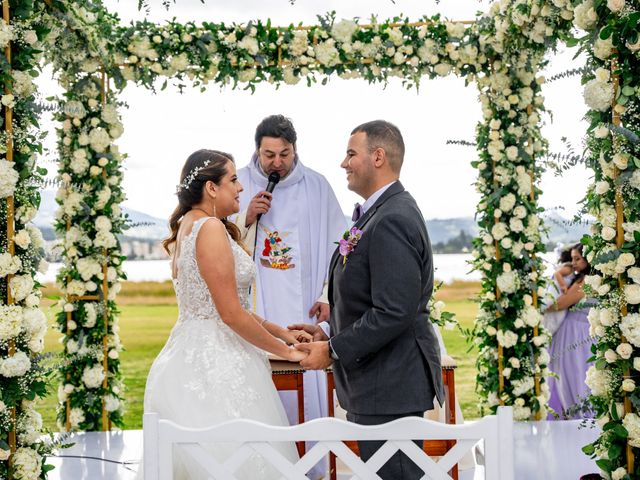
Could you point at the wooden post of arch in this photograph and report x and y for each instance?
(534, 290)
(8, 125)
(106, 423)
(615, 119)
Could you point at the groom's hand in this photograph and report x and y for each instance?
(318, 355)
(321, 311)
(315, 330)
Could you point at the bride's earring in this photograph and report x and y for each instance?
(214, 207)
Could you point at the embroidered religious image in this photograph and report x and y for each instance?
(276, 253)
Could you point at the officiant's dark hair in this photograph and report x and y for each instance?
(276, 126)
(201, 166)
(385, 135)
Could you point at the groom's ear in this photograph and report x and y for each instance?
(379, 157)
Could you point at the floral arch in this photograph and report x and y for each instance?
(501, 51)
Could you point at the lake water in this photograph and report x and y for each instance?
(448, 267)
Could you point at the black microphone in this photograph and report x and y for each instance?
(274, 178)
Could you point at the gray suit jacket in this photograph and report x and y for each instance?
(389, 357)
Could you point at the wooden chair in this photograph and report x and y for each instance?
(160, 437)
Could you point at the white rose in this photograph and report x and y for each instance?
(602, 187)
(621, 160)
(615, 6)
(620, 472)
(602, 131)
(610, 356)
(628, 385)
(624, 350)
(632, 293)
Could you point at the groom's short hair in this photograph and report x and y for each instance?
(276, 126)
(385, 135)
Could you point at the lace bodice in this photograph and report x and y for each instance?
(194, 299)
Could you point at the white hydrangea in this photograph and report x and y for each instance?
(507, 202)
(27, 464)
(87, 267)
(508, 282)
(34, 321)
(11, 318)
(76, 417)
(631, 422)
(507, 338)
(9, 264)
(21, 286)
(22, 83)
(35, 236)
(327, 54)
(93, 376)
(597, 381)
(99, 139)
(29, 426)
(630, 328)
(523, 386)
(603, 49)
(6, 33)
(76, 288)
(79, 163)
(521, 412)
(343, 31)
(15, 366)
(598, 95)
(90, 315)
(180, 62)
(75, 109)
(499, 231)
(299, 43)
(105, 240)
(585, 16)
(8, 178)
(111, 403)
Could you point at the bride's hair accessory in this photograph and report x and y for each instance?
(186, 183)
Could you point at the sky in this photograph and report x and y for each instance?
(162, 129)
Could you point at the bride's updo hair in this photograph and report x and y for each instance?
(201, 166)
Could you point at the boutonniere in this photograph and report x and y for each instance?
(348, 242)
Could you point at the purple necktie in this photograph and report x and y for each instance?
(357, 212)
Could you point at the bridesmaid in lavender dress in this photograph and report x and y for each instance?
(571, 346)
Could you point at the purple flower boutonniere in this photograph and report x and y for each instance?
(348, 242)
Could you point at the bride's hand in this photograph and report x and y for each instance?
(301, 336)
(294, 355)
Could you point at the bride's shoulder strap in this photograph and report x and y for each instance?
(197, 225)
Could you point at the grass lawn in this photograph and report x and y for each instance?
(149, 312)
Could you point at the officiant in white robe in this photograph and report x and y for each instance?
(295, 240)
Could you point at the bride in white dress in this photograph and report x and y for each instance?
(213, 367)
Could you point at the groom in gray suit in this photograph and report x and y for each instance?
(384, 351)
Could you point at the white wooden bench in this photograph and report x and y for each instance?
(160, 436)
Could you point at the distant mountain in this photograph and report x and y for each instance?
(561, 230)
(148, 228)
(143, 226)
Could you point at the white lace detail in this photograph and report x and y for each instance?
(218, 356)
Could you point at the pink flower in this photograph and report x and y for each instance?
(348, 242)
